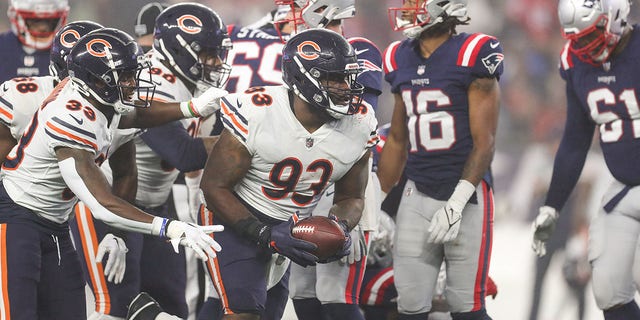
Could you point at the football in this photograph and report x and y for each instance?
(324, 232)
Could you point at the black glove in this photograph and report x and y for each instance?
(346, 248)
(280, 240)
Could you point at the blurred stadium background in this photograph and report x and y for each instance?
(532, 117)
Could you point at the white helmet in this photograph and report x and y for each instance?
(416, 16)
(308, 14)
(579, 18)
(20, 11)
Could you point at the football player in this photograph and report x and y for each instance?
(25, 96)
(256, 58)
(332, 290)
(25, 48)
(442, 135)
(189, 54)
(597, 64)
(56, 163)
(256, 187)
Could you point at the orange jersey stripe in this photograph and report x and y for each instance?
(90, 247)
(233, 118)
(6, 114)
(72, 136)
(5, 310)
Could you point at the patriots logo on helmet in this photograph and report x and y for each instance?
(492, 61)
(366, 65)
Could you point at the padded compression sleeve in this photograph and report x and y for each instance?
(572, 152)
(77, 185)
(174, 144)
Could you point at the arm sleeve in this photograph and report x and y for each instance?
(572, 153)
(174, 144)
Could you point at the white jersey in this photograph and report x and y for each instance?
(31, 174)
(22, 98)
(155, 176)
(290, 167)
(19, 100)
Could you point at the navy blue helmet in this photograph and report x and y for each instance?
(63, 41)
(321, 67)
(107, 64)
(195, 42)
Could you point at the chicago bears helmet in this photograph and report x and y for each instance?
(194, 41)
(321, 68)
(593, 27)
(106, 64)
(63, 41)
(416, 16)
(23, 12)
(307, 14)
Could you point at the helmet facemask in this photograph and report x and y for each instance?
(307, 14)
(209, 68)
(416, 16)
(123, 89)
(594, 30)
(29, 16)
(338, 92)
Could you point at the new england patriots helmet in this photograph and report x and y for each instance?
(307, 14)
(593, 27)
(321, 68)
(194, 41)
(53, 12)
(63, 41)
(106, 64)
(416, 16)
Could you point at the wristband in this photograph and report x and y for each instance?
(461, 195)
(188, 110)
(253, 230)
(159, 227)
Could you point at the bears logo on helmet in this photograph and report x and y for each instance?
(193, 29)
(63, 42)
(98, 51)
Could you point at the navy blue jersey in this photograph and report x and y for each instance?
(16, 62)
(434, 91)
(256, 58)
(603, 98)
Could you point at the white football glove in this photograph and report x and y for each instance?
(203, 105)
(543, 227)
(195, 237)
(445, 223)
(117, 261)
(359, 247)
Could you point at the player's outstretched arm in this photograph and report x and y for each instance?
(394, 154)
(162, 112)
(88, 183)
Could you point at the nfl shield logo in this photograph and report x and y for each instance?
(29, 61)
(421, 69)
(309, 143)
